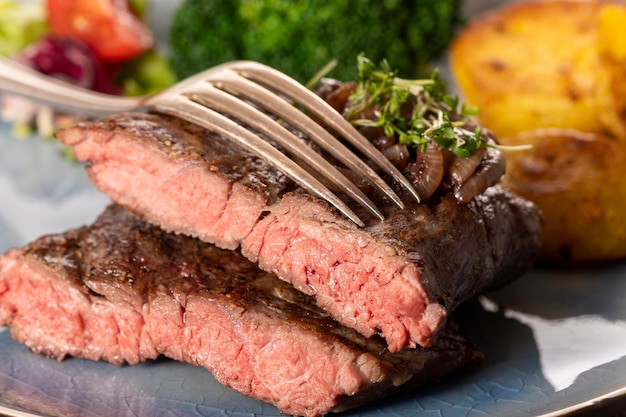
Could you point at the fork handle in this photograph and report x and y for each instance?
(22, 80)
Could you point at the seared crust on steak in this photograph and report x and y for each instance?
(122, 290)
(398, 278)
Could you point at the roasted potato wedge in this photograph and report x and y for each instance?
(552, 74)
(577, 181)
(612, 74)
(533, 64)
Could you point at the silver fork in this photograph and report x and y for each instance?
(236, 100)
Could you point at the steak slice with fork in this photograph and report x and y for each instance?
(123, 290)
(399, 278)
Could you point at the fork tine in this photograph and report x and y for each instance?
(182, 107)
(225, 103)
(239, 85)
(301, 95)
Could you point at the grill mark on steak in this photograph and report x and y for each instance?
(122, 290)
(398, 278)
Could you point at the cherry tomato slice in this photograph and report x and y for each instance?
(107, 26)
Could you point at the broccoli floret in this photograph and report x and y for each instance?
(299, 37)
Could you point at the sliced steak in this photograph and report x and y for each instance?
(399, 277)
(126, 291)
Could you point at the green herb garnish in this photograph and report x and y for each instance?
(433, 116)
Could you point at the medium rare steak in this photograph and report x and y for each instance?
(122, 290)
(398, 278)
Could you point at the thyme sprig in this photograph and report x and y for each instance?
(435, 116)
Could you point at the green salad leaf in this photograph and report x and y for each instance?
(21, 23)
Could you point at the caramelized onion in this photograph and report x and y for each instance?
(462, 169)
(431, 170)
(338, 98)
(383, 142)
(488, 173)
(426, 172)
(398, 155)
